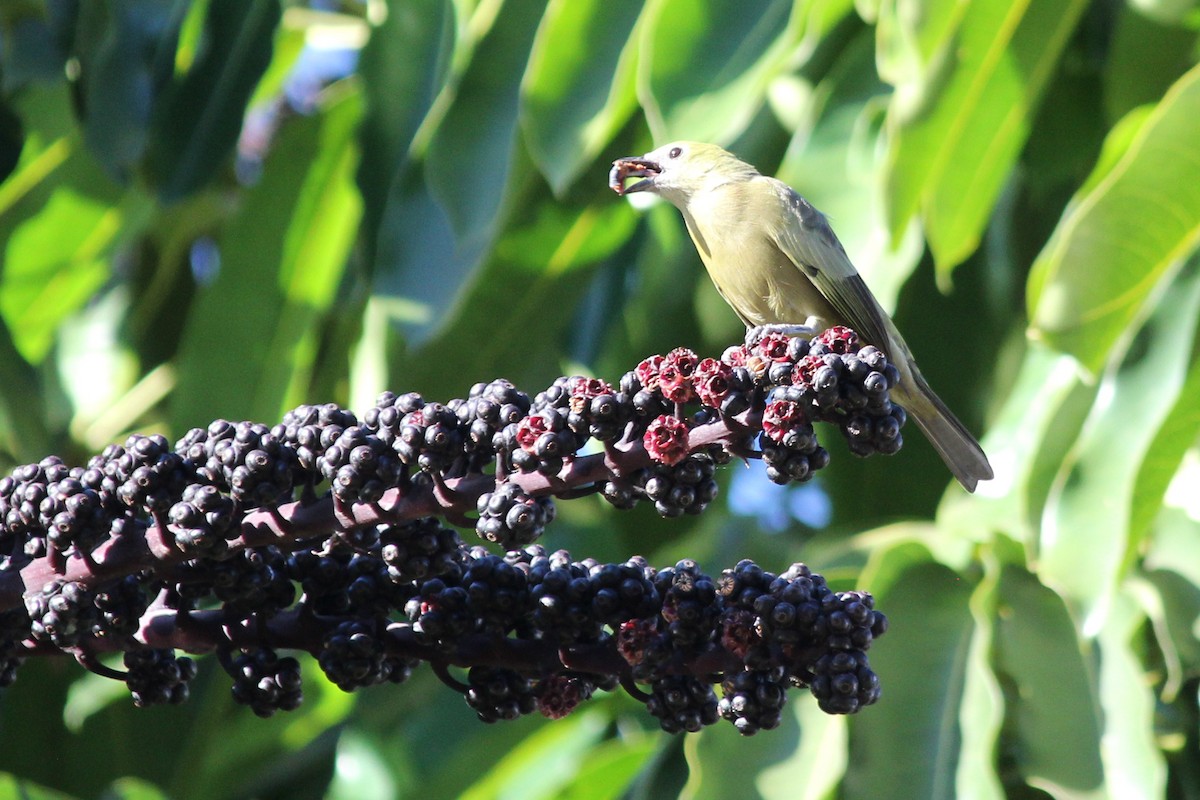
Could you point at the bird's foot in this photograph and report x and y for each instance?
(811, 327)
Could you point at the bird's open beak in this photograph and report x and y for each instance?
(630, 167)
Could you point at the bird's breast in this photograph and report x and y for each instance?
(752, 274)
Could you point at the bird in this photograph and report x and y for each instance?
(776, 261)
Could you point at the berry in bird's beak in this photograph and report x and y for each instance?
(625, 168)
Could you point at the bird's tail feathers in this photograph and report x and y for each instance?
(953, 442)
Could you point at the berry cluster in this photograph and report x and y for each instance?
(325, 534)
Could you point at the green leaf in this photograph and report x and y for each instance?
(247, 348)
(836, 167)
(53, 262)
(1117, 243)
(610, 769)
(1052, 708)
(812, 770)
(580, 86)
(1045, 406)
(471, 155)
(1164, 455)
(921, 663)
(981, 712)
(1133, 763)
(705, 65)
(514, 312)
(541, 765)
(1143, 61)
(909, 40)
(13, 787)
(197, 120)
(1086, 542)
(956, 135)
(1172, 602)
(1167, 12)
(403, 67)
(442, 217)
(124, 51)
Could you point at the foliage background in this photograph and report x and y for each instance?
(229, 207)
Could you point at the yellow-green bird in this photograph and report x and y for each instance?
(776, 261)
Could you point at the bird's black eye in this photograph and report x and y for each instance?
(675, 151)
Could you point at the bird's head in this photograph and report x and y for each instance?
(679, 170)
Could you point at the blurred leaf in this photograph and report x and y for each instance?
(1167, 12)
(921, 663)
(133, 789)
(22, 404)
(1045, 405)
(31, 48)
(814, 768)
(1052, 708)
(361, 772)
(610, 769)
(13, 787)
(981, 713)
(1118, 242)
(1145, 59)
(836, 167)
(544, 762)
(580, 86)
(956, 136)
(471, 155)
(515, 311)
(281, 260)
(123, 58)
(911, 35)
(1174, 608)
(719, 765)
(1133, 763)
(197, 121)
(402, 66)
(54, 261)
(705, 66)
(1086, 542)
(440, 219)
(1176, 433)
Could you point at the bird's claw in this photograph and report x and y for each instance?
(810, 328)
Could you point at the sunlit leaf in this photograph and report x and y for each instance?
(1134, 765)
(910, 35)
(1164, 454)
(982, 710)
(543, 763)
(53, 263)
(13, 787)
(705, 66)
(579, 89)
(280, 263)
(1116, 243)
(1085, 535)
(956, 135)
(1167, 12)
(610, 769)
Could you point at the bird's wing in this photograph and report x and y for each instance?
(814, 248)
